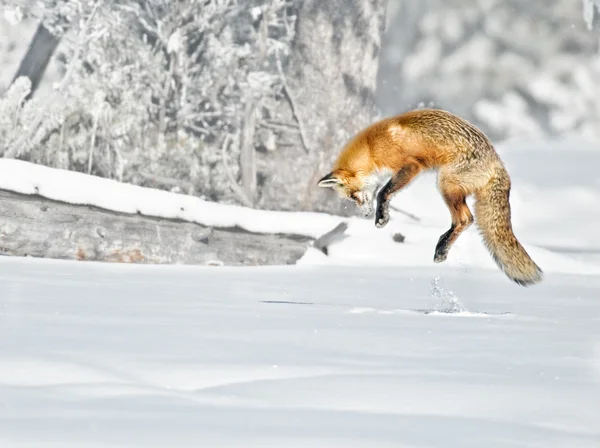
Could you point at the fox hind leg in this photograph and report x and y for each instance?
(462, 218)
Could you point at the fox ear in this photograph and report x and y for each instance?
(329, 181)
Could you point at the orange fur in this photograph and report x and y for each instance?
(466, 162)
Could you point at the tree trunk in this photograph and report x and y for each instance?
(332, 77)
(40, 51)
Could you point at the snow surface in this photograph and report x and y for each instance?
(373, 346)
(98, 355)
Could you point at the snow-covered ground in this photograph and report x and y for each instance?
(134, 356)
(373, 346)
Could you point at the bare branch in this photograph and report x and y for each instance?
(292, 101)
(232, 182)
(247, 156)
(278, 127)
(410, 215)
(93, 142)
(324, 241)
(168, 181)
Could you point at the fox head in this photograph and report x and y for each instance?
(349, 186)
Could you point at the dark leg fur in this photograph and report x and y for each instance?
(441, 249)
(395, 184)
(461, 220)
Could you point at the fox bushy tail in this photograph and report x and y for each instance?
(493, 218)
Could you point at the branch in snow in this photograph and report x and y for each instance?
(404, 212)
(324, 241)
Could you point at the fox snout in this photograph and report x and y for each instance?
(361, 198)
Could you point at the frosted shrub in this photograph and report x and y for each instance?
(157, 90)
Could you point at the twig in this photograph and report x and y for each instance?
(195, 128)
(168, 181)
(118, 163)
(93, 142)
(61, 140)
(20, 108)
(328, 238)
(247, 153)
(232, 182)
(162, 114)
(292, 101)
(278, 127)
(282, 123)
(410, 215)
(107, 146)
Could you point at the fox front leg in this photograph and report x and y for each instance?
(398, 181)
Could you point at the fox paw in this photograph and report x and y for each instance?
(439, 256)
(382, 217)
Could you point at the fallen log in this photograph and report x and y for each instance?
(32, 225)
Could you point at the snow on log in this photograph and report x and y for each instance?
(83, 189)
(54, 213)
(32, 225)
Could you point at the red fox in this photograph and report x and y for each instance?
(401, 147)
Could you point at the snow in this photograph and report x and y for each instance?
(13, 15)
(373, 345)
(174, 43)
(98, 355)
